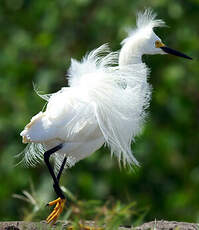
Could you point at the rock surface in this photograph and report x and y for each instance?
(153, 225)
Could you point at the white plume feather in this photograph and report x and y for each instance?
(148, 18)
(33, 154)
(103, 99)
(119, 97)
(145, 23)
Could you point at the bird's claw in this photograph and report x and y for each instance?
(60, 203)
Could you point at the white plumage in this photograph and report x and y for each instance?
(105, 102)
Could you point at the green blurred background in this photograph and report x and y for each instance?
(37, 40)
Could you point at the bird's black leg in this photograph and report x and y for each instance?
(60, 201)
(61, 169)
(47, 155)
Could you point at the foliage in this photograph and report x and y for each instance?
(37, 40)
(110, 214)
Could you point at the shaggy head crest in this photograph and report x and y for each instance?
(147, 19)
(145, 23)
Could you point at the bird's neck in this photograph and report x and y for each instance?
(130, 53)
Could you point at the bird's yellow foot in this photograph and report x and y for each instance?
(59, 206)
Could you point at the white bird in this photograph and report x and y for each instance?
(105, 103)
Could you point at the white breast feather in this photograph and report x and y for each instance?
(119, 95)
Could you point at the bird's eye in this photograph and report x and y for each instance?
(158, 44)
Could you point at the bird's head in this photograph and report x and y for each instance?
(143, 40)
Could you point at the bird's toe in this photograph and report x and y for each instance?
(59, 206)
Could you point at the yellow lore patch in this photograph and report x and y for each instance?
(159, 44)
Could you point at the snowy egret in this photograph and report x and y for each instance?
(105, 103)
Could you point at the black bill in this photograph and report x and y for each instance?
(174, 52)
